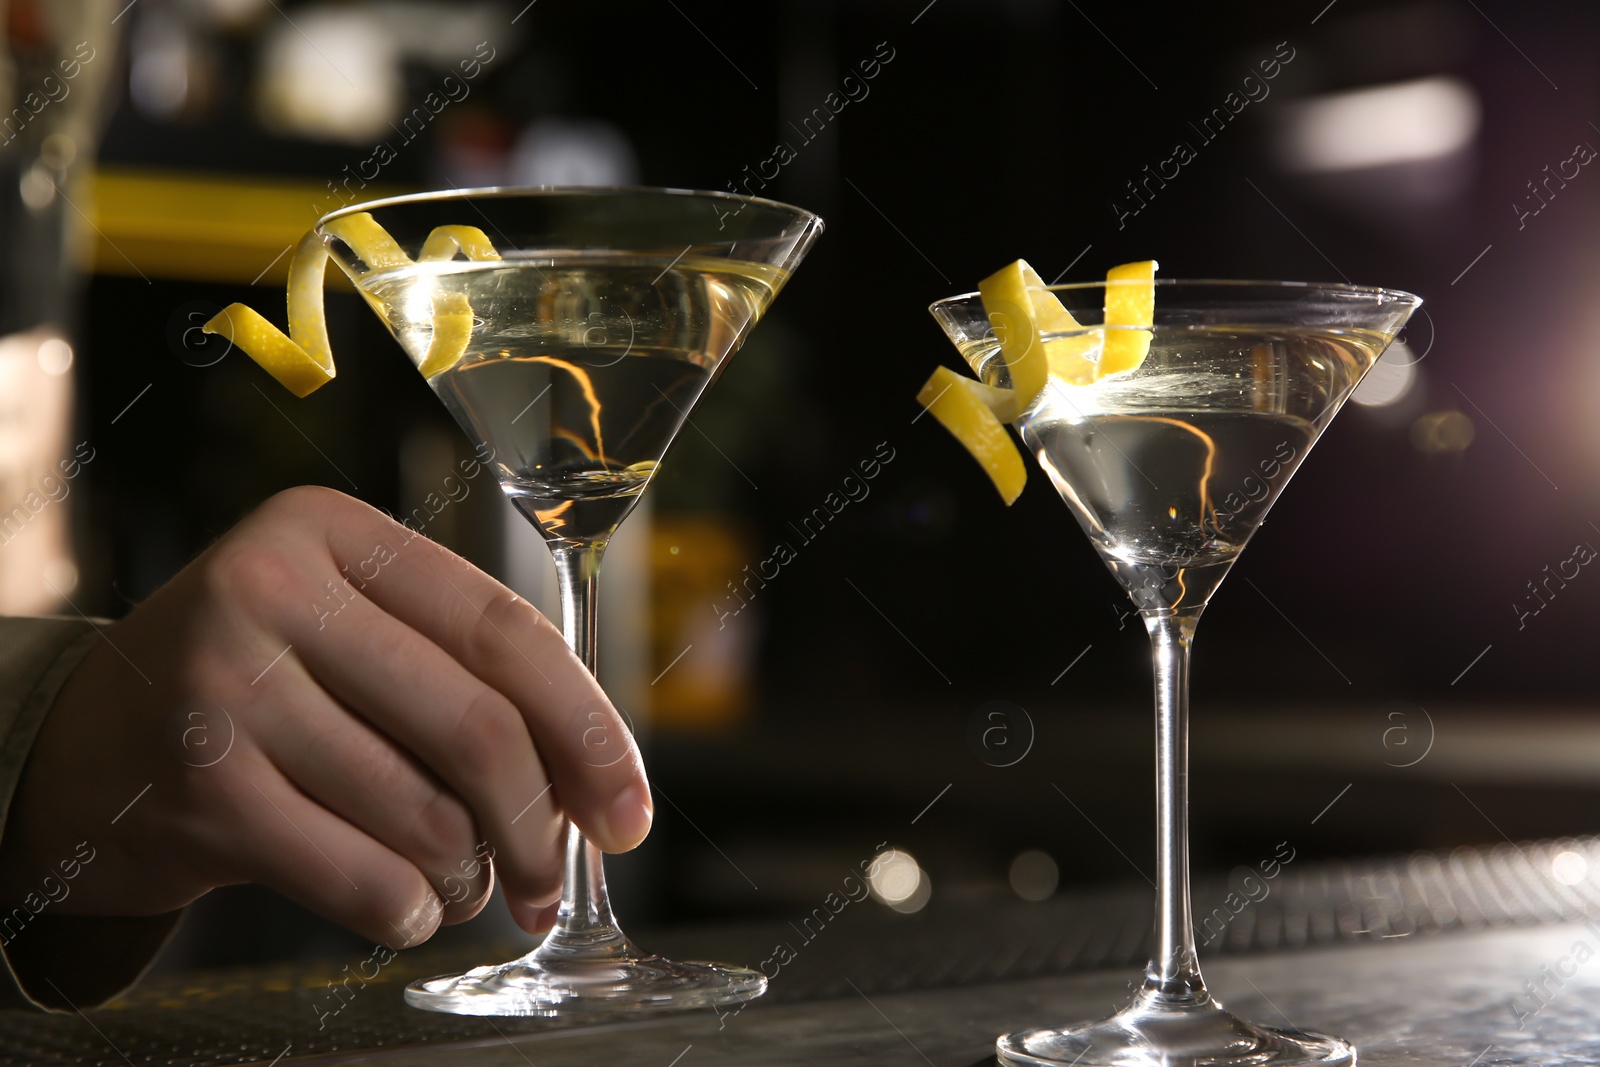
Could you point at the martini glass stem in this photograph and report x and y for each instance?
(1173, 976)
(578, 578)
(584, 924)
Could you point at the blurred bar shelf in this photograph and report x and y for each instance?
(203, 227)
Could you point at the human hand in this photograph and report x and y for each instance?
(363, 761)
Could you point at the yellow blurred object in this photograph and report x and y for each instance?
(203, 227)
(960, 408)
(704, 624)
(1441, 432)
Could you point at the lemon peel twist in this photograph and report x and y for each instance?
(1022, 313)
(452, 330)
(1130, 301)
(302, 360)
(445, 241)
(962, 406)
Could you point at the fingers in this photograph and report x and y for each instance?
(357, 773)
(533, 919)
(289, 843)
(586, 750)
(469, 735)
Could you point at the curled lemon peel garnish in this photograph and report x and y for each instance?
(1130, 301)
(302, 360)
(960, 406)
(452, 331)
(1009, 305)
(294, 368)
(369, 241)
(1022, 313)
(445, 241)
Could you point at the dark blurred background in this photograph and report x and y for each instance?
(1390, 667)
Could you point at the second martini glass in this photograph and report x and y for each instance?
(596, 322)
(1170, 468)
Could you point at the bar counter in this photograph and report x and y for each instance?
(1475, 956)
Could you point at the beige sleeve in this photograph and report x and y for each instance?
(58, 962)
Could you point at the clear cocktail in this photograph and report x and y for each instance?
(582, 367)
(570, 333)
(1170, 466)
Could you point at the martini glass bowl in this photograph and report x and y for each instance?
(1169, 468)
(571, 332)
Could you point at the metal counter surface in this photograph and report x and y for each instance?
(1435, 1001)
(1429, 959)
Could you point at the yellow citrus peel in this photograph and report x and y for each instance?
(1022, 313)
(369, 241)
(452, 331)
(1130, 301)
(962, 408)
(1009, 304)
(445, 241)
(302, 360)
(295, 368)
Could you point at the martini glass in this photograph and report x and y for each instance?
(1170, 468)
(602, 322)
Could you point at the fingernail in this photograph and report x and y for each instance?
(527, 916)
(629, 818)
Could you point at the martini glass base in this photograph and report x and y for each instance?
(1145, 1035)
(632, 984)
